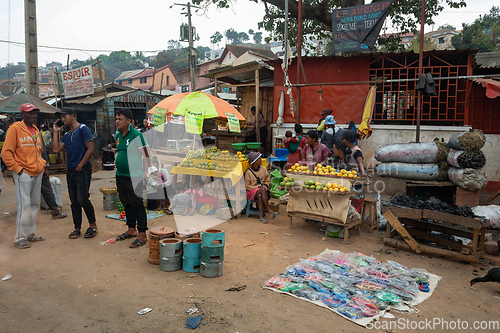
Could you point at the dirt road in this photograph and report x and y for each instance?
(63, 285)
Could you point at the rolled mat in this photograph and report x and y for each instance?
(469, 179)
(473, 159)
(472, 140)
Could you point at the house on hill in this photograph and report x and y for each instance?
(143, 79)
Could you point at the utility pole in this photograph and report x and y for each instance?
(192, 51)
(31, 52)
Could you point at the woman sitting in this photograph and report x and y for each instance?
(342, 157)
(257, 183)
(318, 150)
(348, 138)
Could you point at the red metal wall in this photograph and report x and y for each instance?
(347, 100)
(484, 112)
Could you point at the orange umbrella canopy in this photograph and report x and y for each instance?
(210, 106)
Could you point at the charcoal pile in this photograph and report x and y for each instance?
(431, 204)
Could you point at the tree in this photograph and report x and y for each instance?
(483, 34)
(415, 44)
(236, 37)
(447, 26)
(216, 38)
(201, 52)
(10, 70)
(317, 15)
(257, 37)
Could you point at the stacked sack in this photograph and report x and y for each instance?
(418, 161)
(467, 160)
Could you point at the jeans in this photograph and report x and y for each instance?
(48, 194)
(78, 188)
(28, 195)
(131, 198)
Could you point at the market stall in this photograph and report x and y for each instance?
(327, 196)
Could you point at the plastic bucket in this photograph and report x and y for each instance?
(213, 237)
(210, 270)
(192, 248)
(191, 265)
(170, 264)
(212, 254)
(53, 159)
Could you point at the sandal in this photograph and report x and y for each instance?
(124, 236)
(274, 215)
(22, 244)
(264, 221)
(137, 243)
(35, 239)
(91, 232)
(74, 234)
(59, 216)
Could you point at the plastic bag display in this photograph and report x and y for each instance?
(425, 152)
(469, 179)
(354, 285)
(471, 140)
(409, 171)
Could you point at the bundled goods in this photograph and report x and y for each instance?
(354, 285)
(472, 140)
(473, 159)
(426, 152)
(409, 171)
(469, 179)
(490, 212)
(430, 204)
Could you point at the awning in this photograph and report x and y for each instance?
(14, 102)
(492, 87)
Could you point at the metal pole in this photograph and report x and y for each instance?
(299, 57)
(420, 68)
(31, 52)
(257, 110)
(192, 53)
(286, 39)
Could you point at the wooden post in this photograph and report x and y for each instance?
(394, 222)
(154, 74)
(257, 109)
(54, 84)
(105, 109)
(59, 87)
(161, 83)
(31, 48)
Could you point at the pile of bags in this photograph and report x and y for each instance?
(460, 161)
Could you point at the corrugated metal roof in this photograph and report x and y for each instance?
(488, 59)
(128, 74)
(95, 99)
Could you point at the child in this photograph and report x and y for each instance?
(180, 202)
(349, 137)
(201, 201)
(295, 146)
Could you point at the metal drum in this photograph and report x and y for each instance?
(213, 237)
(211, 270)
(170, 254)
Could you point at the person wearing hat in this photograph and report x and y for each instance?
(79, 145)
(331, 132)
(257, 183)
(22, 153)
(321, 123)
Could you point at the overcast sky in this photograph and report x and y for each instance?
(144, 25)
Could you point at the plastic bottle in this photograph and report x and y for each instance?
(310, 161)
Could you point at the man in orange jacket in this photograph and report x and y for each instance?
(22, 153)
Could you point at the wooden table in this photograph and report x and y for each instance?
(411, 223)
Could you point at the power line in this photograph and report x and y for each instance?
(74, 49)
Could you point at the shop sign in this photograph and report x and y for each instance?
(78, 82)
(357, 28)
(194, 122)
(233, 122)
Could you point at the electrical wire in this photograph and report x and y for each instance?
(74, 49)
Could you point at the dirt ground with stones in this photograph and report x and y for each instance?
(63, 285)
